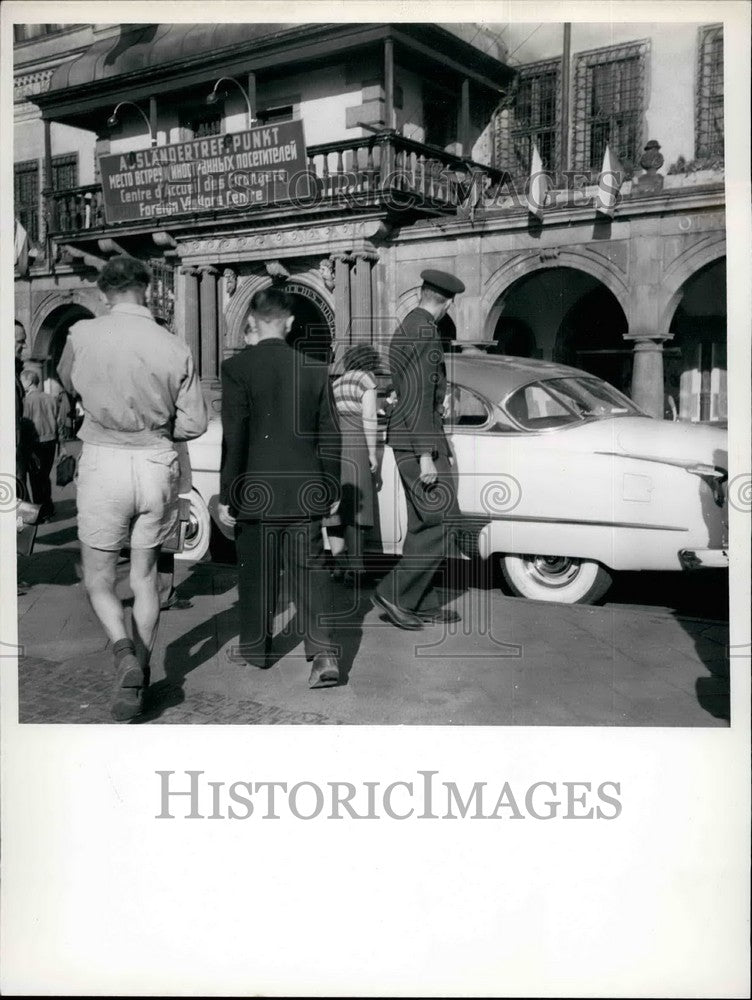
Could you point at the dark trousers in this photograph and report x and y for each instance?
(431, 514)
(40, 467)
(263, 547)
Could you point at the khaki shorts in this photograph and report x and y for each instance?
(127, 497)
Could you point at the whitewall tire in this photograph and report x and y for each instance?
(198, 533)
(560, 579)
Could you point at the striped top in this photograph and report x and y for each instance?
(349, 389)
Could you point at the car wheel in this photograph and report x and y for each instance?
(555, 578)
(198, 532)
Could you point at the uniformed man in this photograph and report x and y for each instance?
(423, 456)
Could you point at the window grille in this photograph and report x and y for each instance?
(609, 104)
(64, 172)
(533, 117)
(709, 124)
(26, 195)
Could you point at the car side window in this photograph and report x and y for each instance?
(465, 408)
(537, 409)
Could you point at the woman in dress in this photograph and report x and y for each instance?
(355, 396)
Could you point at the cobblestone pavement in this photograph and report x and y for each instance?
(509, 662)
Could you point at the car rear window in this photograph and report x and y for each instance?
(562, 401)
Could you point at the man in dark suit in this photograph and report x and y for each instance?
(423, 456)
(279, 477)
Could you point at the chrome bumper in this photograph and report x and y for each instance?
(704, 558)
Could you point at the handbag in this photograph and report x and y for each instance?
(65, 469)
(27, 516)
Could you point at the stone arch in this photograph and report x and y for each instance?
(52, 306)
(51, 329)
(249, 284)
(507, 275)
(409, 300)
(679, 272)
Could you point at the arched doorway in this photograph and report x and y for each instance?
(695, 361)
(52, 335)
(313, 328)
(567, 315)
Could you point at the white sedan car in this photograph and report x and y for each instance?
(559, 475)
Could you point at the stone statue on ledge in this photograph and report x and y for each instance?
(651, 182)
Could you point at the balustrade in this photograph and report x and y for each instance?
(383, 168)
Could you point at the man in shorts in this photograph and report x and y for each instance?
(140, 394)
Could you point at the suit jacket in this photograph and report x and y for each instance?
(416, 361)
(281, 442)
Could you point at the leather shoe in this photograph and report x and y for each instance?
(325, 671)
(442, 616)
(397, 616)
(131, 681)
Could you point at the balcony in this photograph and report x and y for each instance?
(384, 171)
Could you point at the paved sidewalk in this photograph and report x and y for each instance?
(510, 662)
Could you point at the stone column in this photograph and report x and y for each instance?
(647, 374)
(362, 306)
(209, 327)
(342, 319)
(191, 312)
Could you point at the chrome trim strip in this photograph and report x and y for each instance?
(595, 524)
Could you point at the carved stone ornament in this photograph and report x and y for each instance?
(651, 182)
(652, 159)
(276, 270)
(326, 269)
(231, 281)
(549, 253)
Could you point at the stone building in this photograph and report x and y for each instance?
(413, 144)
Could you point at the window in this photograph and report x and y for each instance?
(272, 116)
(64, 172)
(26, 196)
(709, 124)
(25, 32)
(562, 401)
(609, 105)
(466, 409)
(206, 126)
(533, 118)
(439, 116)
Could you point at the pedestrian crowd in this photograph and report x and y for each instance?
(300, 457)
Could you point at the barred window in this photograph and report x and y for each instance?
(26, 195)
(709, 125)
(64, 172)
(609, 104)
(533, 117)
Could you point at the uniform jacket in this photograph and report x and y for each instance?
(416, 361)
(281, 441)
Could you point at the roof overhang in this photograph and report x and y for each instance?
(145, 60)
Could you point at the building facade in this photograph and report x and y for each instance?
(413, 146)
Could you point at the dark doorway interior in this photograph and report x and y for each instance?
(310, 333)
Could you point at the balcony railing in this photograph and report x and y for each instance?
(383, 169)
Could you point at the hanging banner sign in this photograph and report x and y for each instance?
(263, 166)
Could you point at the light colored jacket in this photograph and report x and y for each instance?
(137, 381)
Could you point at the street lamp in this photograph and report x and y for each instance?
(214, 96)
(112, 121)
